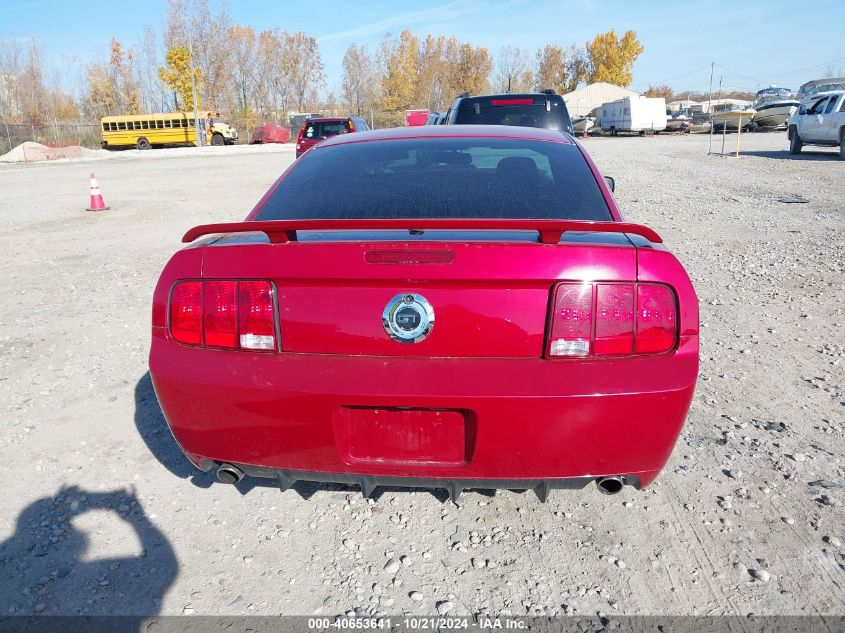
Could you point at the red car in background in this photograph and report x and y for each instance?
(270, 133)
(316, 130)
(416, 117)
(444, 306)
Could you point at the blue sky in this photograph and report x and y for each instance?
(753, 42)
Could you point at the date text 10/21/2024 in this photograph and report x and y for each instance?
(417, 623)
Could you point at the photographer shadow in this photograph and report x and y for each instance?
(42, 571)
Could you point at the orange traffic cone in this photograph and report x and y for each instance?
(97, 203)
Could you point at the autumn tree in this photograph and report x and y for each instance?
(244, 60)
(399, 67)
(660, 91)
(99, 98)
(29, 91)
(359, 81)
(432, 68)
(551, 68)
(191, 23)
(124, 84)
(303, 67)
(513, 71)
(611, 59)
(176, 74)
(577, 67)
(473, 68)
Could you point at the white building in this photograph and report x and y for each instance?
(724, 104)
(583, 101)
(684, 104)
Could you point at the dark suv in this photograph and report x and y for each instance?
(541, 109)
(316, 129)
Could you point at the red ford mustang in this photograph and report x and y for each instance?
(443, 307)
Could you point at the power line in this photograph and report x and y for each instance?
(756, 80)
(662, 81)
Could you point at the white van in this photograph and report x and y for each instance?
(634, 114)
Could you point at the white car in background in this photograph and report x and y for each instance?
(819, 121)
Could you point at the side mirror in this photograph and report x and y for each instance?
(611, 182)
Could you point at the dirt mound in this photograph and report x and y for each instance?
(30, 152)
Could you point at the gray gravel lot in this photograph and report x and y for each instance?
(100, 513)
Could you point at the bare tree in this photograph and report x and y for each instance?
(303, 67)
(577, 66)
(271, 88)
(190, 22)
(244, 60)
(513, 70)
(147, 56)
(358, 84)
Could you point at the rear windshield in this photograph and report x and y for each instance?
(524, 115)
(323, 129)
(439, 178)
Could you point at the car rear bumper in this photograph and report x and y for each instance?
(316, 417)
(286, 479)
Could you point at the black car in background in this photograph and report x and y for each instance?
(436, 118)
(545, 110)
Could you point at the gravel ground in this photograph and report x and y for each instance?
(102, 514)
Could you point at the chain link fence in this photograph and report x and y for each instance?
(55, 136)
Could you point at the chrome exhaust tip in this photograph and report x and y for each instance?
(228, 474)
(610, 485)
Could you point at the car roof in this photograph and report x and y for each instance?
(452, 131)
(511, 95)
(325, 119)
(821, 82)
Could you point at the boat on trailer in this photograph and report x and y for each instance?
(773, 106)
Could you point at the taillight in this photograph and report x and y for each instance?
(572, 320)
(506, 102)
(299, 138)
(350, 126)
(611, 320)
(656, 319)
(186, 312)
(614, 320)
(220, 317)
(224, 314)
(256, 315)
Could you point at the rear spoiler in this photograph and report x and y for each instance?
(551, 231)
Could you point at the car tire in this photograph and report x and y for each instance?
(842, 145)
(143, 143)
(795, 142)
(218, 139)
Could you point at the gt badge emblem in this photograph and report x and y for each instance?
(408, 318)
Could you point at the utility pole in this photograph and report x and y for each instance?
(200, 141)
(710, 107)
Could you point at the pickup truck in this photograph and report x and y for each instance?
(819, 121)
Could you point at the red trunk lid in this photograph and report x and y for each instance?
(489, 299)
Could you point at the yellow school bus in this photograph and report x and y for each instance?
(144, 131)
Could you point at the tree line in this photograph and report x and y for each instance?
(254, 76)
